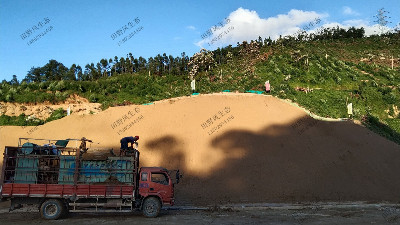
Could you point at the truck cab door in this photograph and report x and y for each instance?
(157, 184)
(144, 186)
(161, 184)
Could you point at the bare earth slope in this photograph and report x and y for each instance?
(242, 148)
(77, 105)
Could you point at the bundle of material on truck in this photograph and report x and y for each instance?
(98, 154)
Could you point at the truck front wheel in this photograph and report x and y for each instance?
(151, 207)
(52, 209)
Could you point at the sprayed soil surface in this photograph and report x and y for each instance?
(241, 148)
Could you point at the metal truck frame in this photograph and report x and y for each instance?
(58, 180)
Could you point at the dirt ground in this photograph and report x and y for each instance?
(316, 213)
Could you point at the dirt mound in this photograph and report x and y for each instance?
(78, 105)
(242, 148)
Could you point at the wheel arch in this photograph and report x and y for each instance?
(62, 200)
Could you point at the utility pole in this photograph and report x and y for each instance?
(382, 19)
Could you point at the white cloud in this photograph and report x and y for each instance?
(246, 25)
(349, 11)
(191, 27)
(355, 23)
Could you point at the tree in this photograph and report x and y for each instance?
(152, 65)
(110, 65)
(260, 41)
(165, 62)
(104, 66)
(184, 63)
(201, 61)
(122, 65)
(54, 70)
(34, 75)
(78, 72)
(251, 49)
(116, 64)
(159, 64)
(96, 71)
(71, 72)
(135, 65)
(90, 72)
(131, 63)
(382, 19)
(14, 80)
(142, 63)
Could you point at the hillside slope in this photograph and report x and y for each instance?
(322, 73)
(242, 148)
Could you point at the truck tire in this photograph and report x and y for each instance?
(52, 209)
(151, 207)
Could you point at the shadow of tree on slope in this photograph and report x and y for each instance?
(307, 161)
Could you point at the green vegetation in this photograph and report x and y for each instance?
(57, 114)
(388, 131)
(321, 72)
(23, 120)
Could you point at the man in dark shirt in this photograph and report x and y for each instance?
(124, 142)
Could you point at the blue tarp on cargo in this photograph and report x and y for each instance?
(96, 171)
(26, 171)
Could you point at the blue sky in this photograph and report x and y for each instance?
(81, 31)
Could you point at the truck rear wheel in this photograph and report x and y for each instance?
(151, 207)
(52, 209)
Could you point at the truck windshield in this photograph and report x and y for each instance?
(160, 178)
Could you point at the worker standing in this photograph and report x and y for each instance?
(83, 147)
(193, 86)
(267, 86)
(125, 141)
(350, 110)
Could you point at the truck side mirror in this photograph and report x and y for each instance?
(178, 176)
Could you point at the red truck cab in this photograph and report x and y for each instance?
(155, 181)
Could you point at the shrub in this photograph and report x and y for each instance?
(57, 114)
